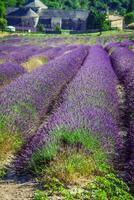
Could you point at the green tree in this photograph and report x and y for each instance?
(3, 23)
(11, 3)
(20, 2)
(41, 28)
(119, 6)
(85, 4)
(2, 9)
(129, 18)
(76, 4)
(97, 20)
(131, 6)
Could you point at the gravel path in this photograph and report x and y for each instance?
(12, 188)
(16, 191)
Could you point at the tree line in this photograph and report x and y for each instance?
(120, 6)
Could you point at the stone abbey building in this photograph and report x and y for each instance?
(35, 12)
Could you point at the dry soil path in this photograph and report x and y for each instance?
(16, 191)
(12, 188)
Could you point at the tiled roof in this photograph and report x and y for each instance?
(23, 12)
(64, 14)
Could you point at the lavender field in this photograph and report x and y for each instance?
(67, 117)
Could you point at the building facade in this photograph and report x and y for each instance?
(116, 21)
(35, 13)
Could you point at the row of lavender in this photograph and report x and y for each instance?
(20, 54)
(123, 62)
(27, 100)
(90, 102)
(9, 71)
(13, 58)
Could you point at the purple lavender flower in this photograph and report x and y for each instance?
(127, 43)
(23, 53)
(113, 45)
(89, 102)
(28, 99)
(54, 52)
(9, 71)
(18, 54)
(123, 63)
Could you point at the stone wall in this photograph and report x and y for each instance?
(32, 21)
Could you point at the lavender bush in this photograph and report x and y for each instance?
(125, 43)
(23, 53)
(123, 62)
(90, 102)
(28, 99)
(11, 47)
(18, 54)
(45, 55)
(9, 71)
(54, 52)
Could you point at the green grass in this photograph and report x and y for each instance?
(131, 47)
(34, 62)
(79, 138)
(58, 181)
(64, 34)
(3, 171)
(76, 159)
(87, 38)
(108, 187)
(71, 167)
(10, 140)
(104, 33)
(10, 143)
(105, 187)
(40, 195)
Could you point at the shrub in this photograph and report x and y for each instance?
(57, 28)
(23, 53)
(41, 28)
(28, 99)
(3, 23)
(9, 71)
(131, 25)
(113, 45)
(129, 18)
(106, 25)
(123, 59)
(90, 102)
(52, 52)
(77, 140)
